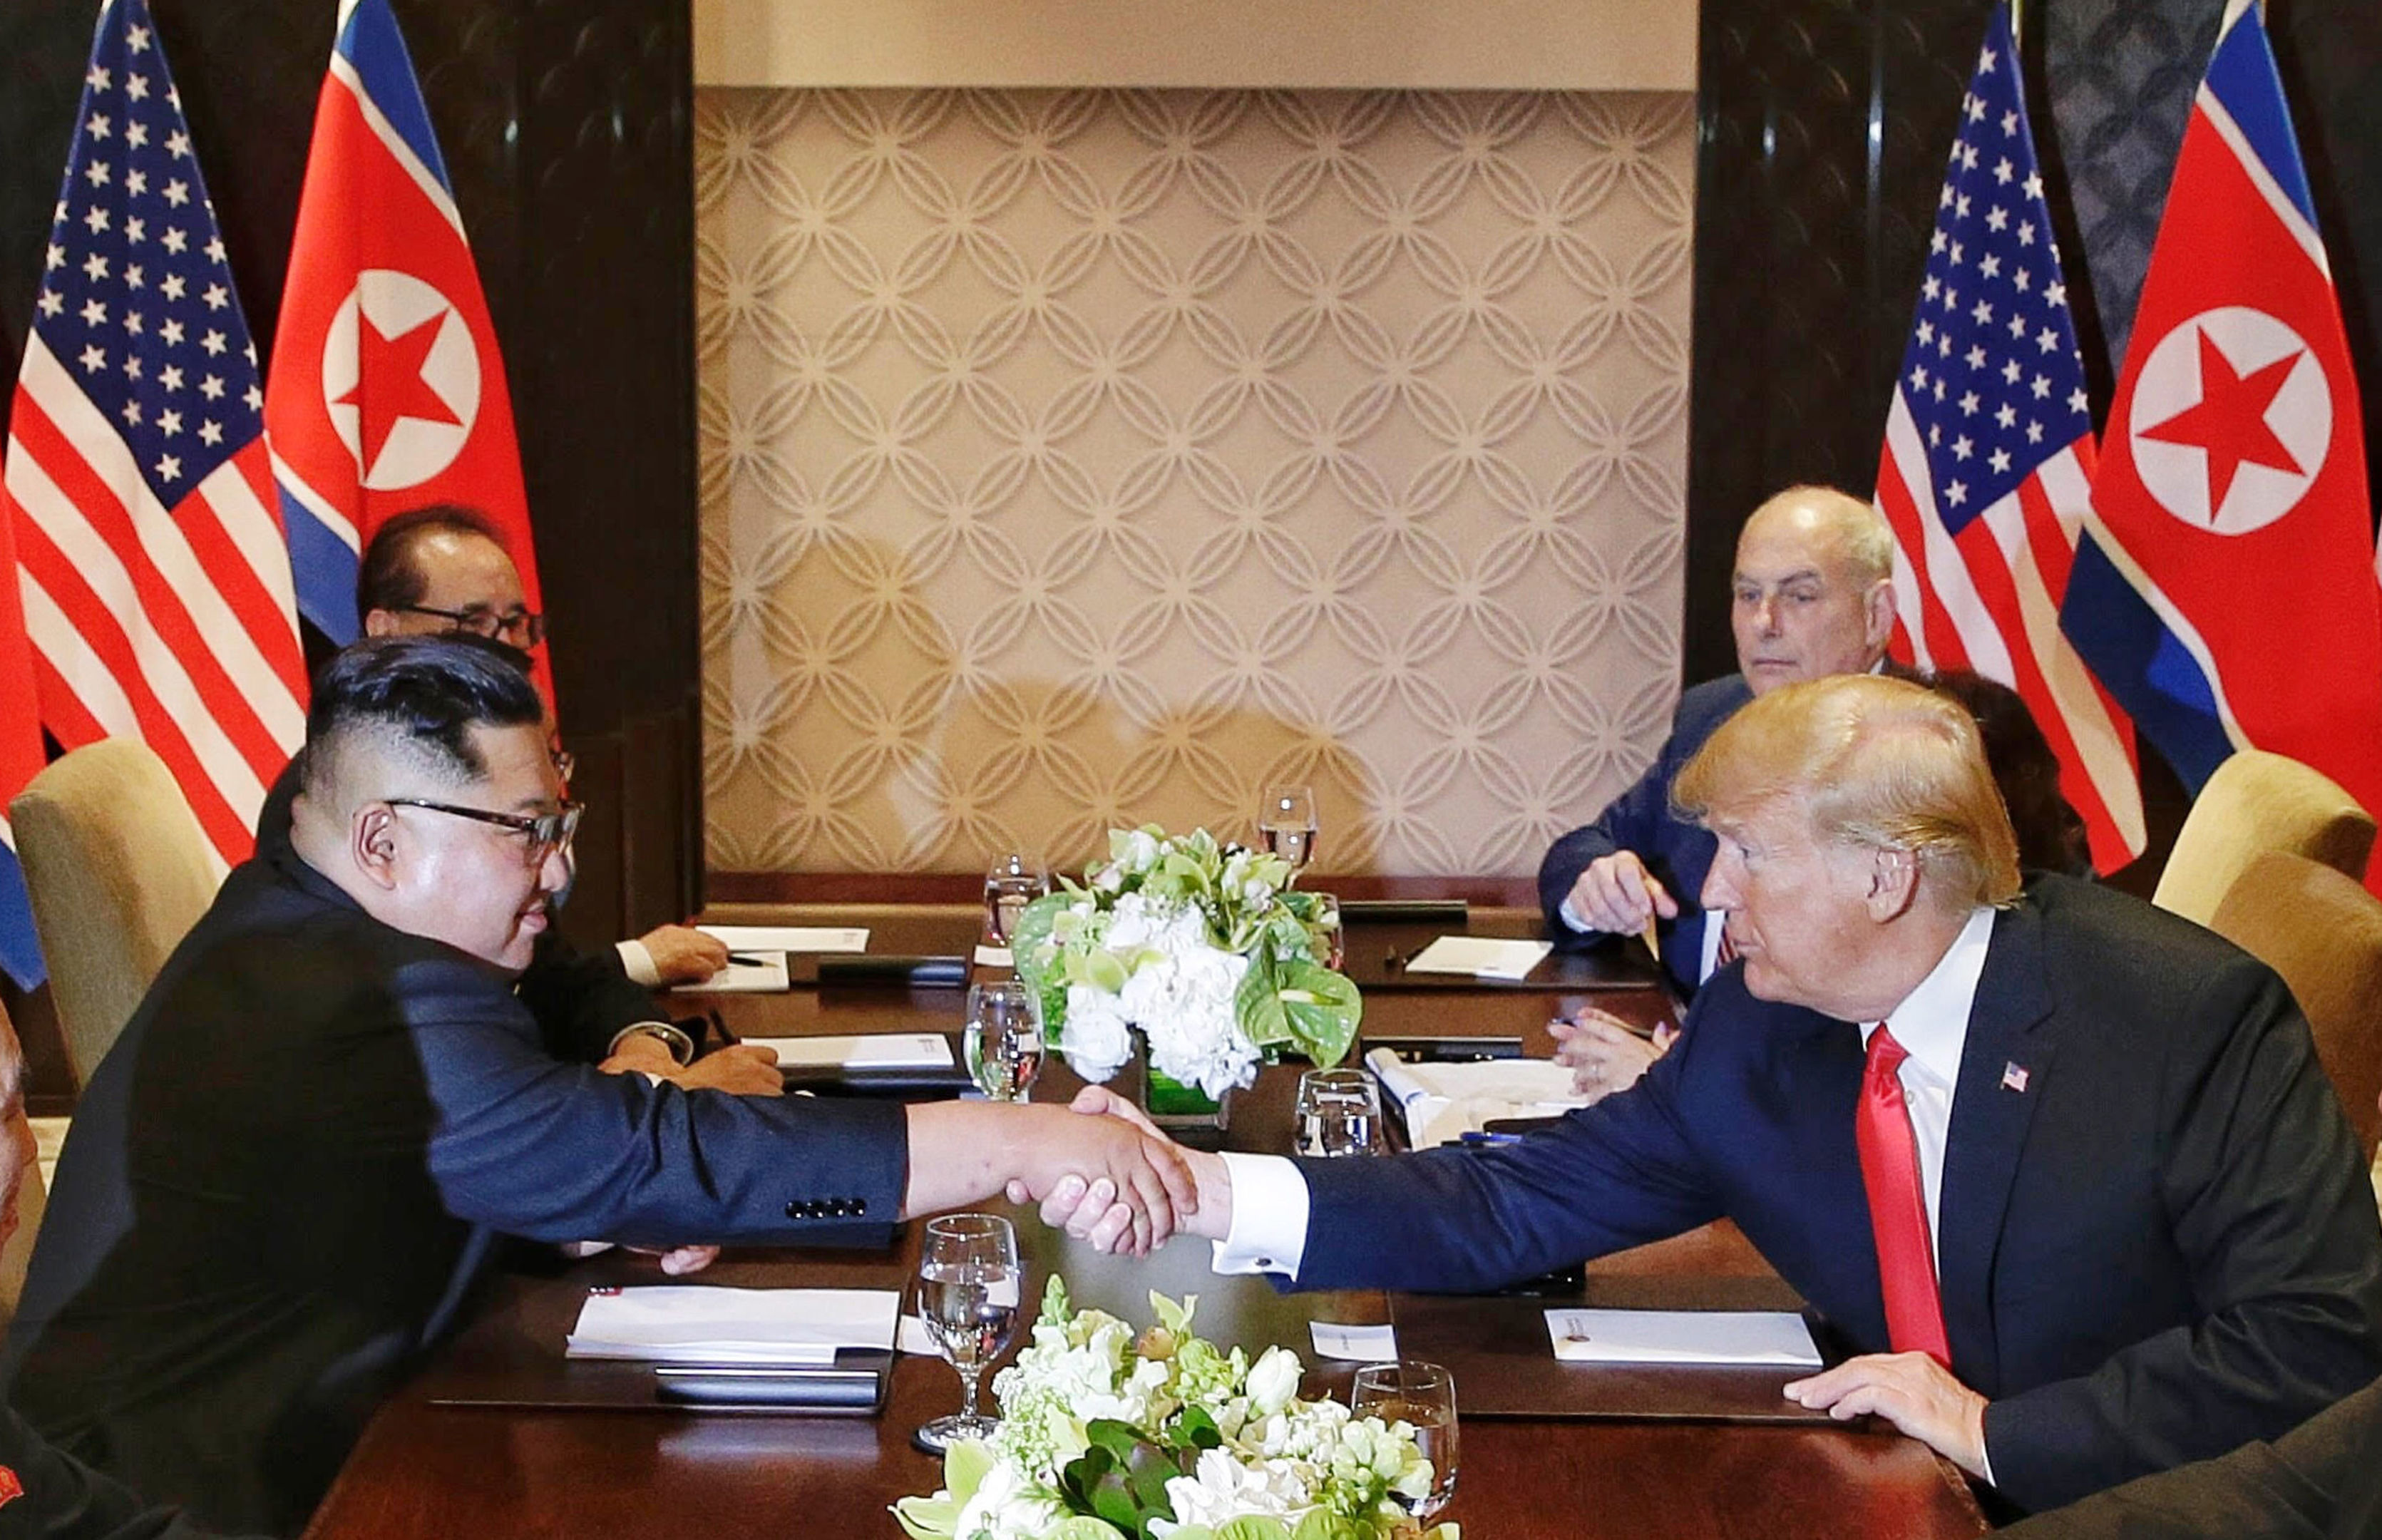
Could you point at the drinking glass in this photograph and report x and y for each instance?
(969, 1287)
(1333, 940)
(1423, 1396)
(1286, 824)
(1339, 1112)
(1003, 1038)
(1015, 881)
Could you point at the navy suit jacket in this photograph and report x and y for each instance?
(2164, 1246)
(1675, 852)
(286, 1176)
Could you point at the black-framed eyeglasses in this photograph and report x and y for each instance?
(541, 833)
(523, 628)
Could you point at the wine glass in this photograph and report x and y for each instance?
(1423, 1395)
(1003, 1039)
(1339, 1112)
(1015, 881)
(968, 1287)
(1286, 825)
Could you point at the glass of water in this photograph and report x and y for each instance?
(1003, 1038)
(1339, 1112)
(1015, 881)
(1422, 1396)
(1286, 825)
(968, 1287)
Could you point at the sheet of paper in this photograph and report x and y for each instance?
(1740, 1339)
(1444, 1102)
(1481, 957)
(789, 937)
(990, 956)
(766, 974)
(1355, 1343)
(876, 1051)
(692, 1324)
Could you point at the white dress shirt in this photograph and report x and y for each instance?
(1708, 953)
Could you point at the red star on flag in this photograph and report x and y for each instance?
(389, 386)
(2228, 423)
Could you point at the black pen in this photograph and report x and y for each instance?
(748, 959)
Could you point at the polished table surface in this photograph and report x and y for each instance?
(431, 1467)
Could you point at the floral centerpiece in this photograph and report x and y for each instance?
(1204, 947)
(1107, 1436)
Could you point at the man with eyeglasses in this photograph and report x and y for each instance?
(285, 1179)
(442, 570)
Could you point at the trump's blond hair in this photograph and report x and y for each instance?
(1872, 762)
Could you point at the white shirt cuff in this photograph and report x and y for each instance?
(1563, 912)
(1268, 1229)
(640, 964)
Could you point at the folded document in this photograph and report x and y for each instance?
(1481, 957)
(690, 1323)
(1740, 1338)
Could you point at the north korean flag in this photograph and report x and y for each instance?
(387, 392)
(2225, 588)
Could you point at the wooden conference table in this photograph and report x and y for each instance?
(500, 1435)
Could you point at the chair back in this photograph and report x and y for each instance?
(2323, 932)
(118, 871)
(2254, 802)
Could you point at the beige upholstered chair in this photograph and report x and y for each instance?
(2258, 802)
(118, 871)
(2323, 932)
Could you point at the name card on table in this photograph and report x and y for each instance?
(747, 973)
(1734, 1338)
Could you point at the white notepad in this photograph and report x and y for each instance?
(692, 1324)
(766, 974)
(876, 1050)
(1481, 957)
(789, 938)
(1738, 1339)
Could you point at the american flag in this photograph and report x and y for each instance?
(155, 578)
(1987, 469)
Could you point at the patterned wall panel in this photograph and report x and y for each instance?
(1077, 459)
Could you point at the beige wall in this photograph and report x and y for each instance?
(1473, 45)
(1072, 458)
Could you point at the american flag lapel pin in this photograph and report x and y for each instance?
(2014, 1077)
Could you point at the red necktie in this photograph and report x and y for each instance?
(1898, 1205)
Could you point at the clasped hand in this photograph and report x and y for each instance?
(1094, 1207)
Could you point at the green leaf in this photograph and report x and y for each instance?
(1045, 977)
(1192, 1531)
(1253, 1526)
(1321, 1009)
(926, 1518)
(1174, 1317)
(1104, 970)
(1083, 1526)
(1257, 1006)
(1322, 1523)
(966, 1464)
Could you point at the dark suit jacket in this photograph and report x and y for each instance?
(283, 1180)
(1677, 853)
(2164, 1246)
(63, 1500)
(2321, 1481)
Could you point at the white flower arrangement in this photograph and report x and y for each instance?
(1107, 1436)
(1204, 947)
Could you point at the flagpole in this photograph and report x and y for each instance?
(2018, 24)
